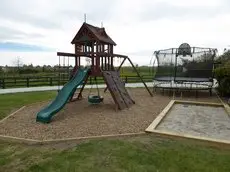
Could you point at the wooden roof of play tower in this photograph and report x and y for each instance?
(89, 33)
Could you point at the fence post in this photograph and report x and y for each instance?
(126, 79)
(27, 82)
(51, 81)
(3, 83)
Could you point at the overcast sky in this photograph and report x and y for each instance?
(35, 29)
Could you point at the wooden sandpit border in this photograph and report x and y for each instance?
(21, 108)
(152, 127)
(65, 140)
(12, 114)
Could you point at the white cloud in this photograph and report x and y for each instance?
(195, 3)
(137, 26)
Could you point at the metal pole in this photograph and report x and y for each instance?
(85, 18)
(68, 68)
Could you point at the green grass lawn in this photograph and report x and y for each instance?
(11, 102)
(141, 153)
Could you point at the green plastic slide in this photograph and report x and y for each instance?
(63, 96)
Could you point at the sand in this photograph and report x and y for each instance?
(196, 120)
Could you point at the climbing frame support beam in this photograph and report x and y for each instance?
(138, 74)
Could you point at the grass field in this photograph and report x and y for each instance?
(142, 153)
(128, 74)
(11, 102)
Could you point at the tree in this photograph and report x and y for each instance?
(31, 66)
(1, 70)
(222, 74)
(225, 57)
(18, 63)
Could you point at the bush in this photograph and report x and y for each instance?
(222, 74)
(223, 77)
(28, 71)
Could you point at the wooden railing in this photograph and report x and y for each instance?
(17, 82)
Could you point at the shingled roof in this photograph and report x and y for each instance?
(98, 33)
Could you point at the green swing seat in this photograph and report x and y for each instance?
(93, 99)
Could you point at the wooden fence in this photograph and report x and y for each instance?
(17, 82)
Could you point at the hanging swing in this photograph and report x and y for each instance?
(95, 99)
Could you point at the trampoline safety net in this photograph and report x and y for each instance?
(183, 65)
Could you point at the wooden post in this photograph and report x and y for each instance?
(175, 67)
(138, 74)
(51, 81)
(79, 61)
(103, 48)
(109, 63)
(3, 83)
(82, 88)
(111, 50)
(121, 64)
(103, 63)
(106, 63)
(27, 82)
(92, 48)
(79, 96)
(59, 73)
(92, 55)
(112, 63)
(75, 61)
(98, 58)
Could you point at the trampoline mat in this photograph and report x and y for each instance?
(182, 79)
(189, 79)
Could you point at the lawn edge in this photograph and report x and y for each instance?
(12, 114)
(65, 140)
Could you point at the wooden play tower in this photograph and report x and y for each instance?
(94, 43)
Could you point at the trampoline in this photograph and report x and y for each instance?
(184, 68)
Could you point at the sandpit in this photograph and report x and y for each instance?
(198, 121)
(79, 119)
